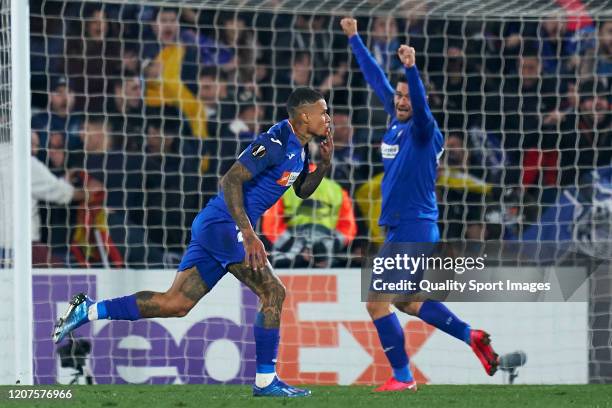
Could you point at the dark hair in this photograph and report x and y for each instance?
(166, 9)
(125, 76)
(95, 120)
(341, 111)
(458, 134)
(601, 23)
(153, 123)
(300, 55)
(530, 50)
(165, 126)
(590, 89)
(301, 96)
(210, 71)
(90, 9)
(398, 77)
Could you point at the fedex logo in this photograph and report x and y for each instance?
(328, 337)
(288, 178)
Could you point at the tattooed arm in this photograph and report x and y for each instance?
(306, 184)
(232, 184)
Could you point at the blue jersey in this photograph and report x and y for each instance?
(275, 159)
(410, 150)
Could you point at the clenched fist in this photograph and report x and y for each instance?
(406, 55)
(349, 26)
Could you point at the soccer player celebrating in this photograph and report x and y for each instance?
(411, 148)
(223, 239)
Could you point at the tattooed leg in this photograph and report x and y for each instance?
(267, 286)
(187, 289)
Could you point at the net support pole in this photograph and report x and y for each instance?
(21, 141)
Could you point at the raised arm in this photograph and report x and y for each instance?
(369, 67)
(421, 113)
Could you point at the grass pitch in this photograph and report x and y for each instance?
(430, 396)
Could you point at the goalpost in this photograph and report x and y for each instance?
(249, 53)
(16, 309)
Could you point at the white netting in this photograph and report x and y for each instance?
(147, 109)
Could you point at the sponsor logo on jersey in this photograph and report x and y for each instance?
(288, 178)
(389, 151)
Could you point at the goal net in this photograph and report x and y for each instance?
(143, 106)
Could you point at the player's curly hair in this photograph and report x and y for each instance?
(299, 97)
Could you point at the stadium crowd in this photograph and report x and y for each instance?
(142, 109)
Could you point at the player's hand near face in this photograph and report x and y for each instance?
(349, 26)
(255, 252)
(326, 149)
(406, 55)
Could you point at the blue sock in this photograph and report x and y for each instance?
(392, 339)
(438, 315)
(266, 346)
(123, 308)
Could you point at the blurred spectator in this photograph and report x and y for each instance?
(124, 111)
(219, 112)
(46, 48)
(587, 141)
(299, 75)
(247, 125)
(334, 87)
(558, 49)
(598, 60)
(173, 72)
(213, 93)
(171, 199)
(267, 87)
(51, 189)
(58, 218)
(59, 116)
(242, 42)
(92, 59)
(518, 112)
(348, 163)
(130, 59)
(311, 232)
(225, 149)
(308, 33)
(460, 88)
(234, 50)
(462, 196)
(425, 32)
(118, 213)
(385, 41)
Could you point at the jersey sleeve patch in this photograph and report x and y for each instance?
(258, 150)
(261, 154)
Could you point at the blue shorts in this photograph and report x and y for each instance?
(415, 240)
(418, 231)
(213, 247)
